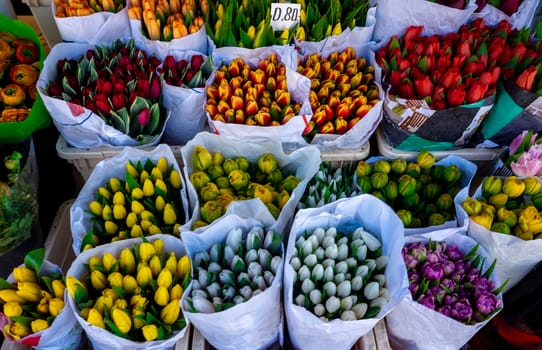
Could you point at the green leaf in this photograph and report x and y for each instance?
(26, 321)
(66, 87)
(93, 73)
(138, 105)
(115, 329)
(538, 30)
(34, 259)
(88, 239)
(119, 123)
(372, 312)
(207, 67)
(4, 284)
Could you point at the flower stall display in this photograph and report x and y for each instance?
(18, 194)
(126, 294)
(104, 95)
(454, 292)
(439, 87)
(343, 272)
(518, 106)
(224, 173)
(420, 191)
(184, 74)
(254, 94)
(237, 278)
(89, 21)
(503, 215)
(520, 13)
(345, 100)
(33, 309)
(133, 194)
(21, 55)
(395, 16)
(161, 26)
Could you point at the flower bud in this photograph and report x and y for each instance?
(55, 306)
(161, 296)
(95, 318)
(165, 278)
(183, 267)
(144, 276)
(127, 261)
(176, 292)
(12, 309)
(130, 283)
(29, 291)
(115, 279)
(150, 332)
(122, 319)
(98, 280)
(24, 274)
(58, 288)
(38, 325)
(170, 312)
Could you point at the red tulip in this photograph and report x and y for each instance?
(443, 61)
(473, 67)
(451, 78)
(438, 99)
(423, 85)
(169, 63)
(432, 46)
(459, 61)
(341, 126)
(526, 79)
(196, 61)
(327, 128)
(456, 95)
(464, 49)
(118, 101)
(406, 89)
(396, 77)
(510, 6)
(413, 33)
(495, 49)
(475, 91)
(155, 87)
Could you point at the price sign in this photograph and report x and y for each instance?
(284, 15)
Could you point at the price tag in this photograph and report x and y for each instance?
(284, 15)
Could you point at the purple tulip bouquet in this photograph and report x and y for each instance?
(453, 291)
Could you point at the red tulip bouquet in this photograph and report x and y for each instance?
(103, 95)
(518, 105)
(439, 87)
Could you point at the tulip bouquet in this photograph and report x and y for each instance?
(118, 83)
(219, 180)
(328, 185)
(184, 74)
(129, 293)
(339, 275)
(508, 205)
(520, 13)
(343, 91)
(145, 202)
(232, 272)
(453, 291)
(33, 310)
(343, 271)
(166, 20)
(69, 8)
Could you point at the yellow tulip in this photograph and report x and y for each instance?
(104, 192)
(156, 174)
(122, 319)
(75, 286)
(115, 279)
(24, 274)
(154, 230)
(103, 301)
(148, 188)
(55, 306)
(98, 280)
(176, 292)
(144, 276)
(58, 288)
(156, 265)
(121, 304)
(159, 203)
(160, 184)
(183, 267)
(146, 215)
(170, 312)
(161, 296)
(150, 332)
(138, 301)
(170, 217)
(137, 207)
(119, 199)
(29, 291)
(84, 312)
(115, 184)
(158, 246)
(38, 325)
(130, 283)
(43, 306)
(127, 261)
(131, 169)
(165, 278)
(175, 179)
(95, 318)
(136, 231)
(137, 314)
(109, 262)
(137, 193)
(146, 251)
(162, 164)
(18, 330)
(107, 212)
(10, 295)
(12, 309)
(171, 263)
(96, 208)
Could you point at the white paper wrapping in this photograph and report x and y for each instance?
(100, 338)
(79, 126)
(523, 17)
(80, 219)
(303, 163)
(393, 17)
(306, 330)
(64, 333)
(298, 86)
(187, 116)
(416, 327)
(358, 35)
(515, 256)
(254, 324)
(98, 28)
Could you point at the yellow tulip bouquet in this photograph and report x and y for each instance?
(127, 293)
(32, 305)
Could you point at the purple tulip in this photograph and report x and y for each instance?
(517, 141)
(448, 284)
(450, 299)
(410, 261)
(433, 257)
(462, 310)
(446, 310)
(449, 267)
(414, 287)
(427, 301)
(433, 271)
(453, 253)
(483, 285)
(464, 292)
(413, 276)
(486, 303)
(419, 252)
(437, 292)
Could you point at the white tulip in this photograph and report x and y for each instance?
(320, 253)
(380, 278)
(319, 310)
(356, 283)
(330, 288)
(300, 300)
(329, 274)
(371, 290)
(307, 286)
(333, 304)
(360, 310)
(342, 252)
(276, 264)
(332, 251)
(341, 267)
(371, 241)
(315, 296)
(381, 262)
(238, 299)
(317, 273)
(327, 241)
(303, 273)
(234, 239)
(348, 315)
(328, 262)
(347, 303)
(319, 233)
(245, 292)
(203, 305)
(344, 289)
(339, 277)
(214, 289)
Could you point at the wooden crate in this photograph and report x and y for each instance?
(58, 250)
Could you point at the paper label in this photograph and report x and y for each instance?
(284, 15)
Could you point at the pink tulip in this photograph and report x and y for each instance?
(529, 163)
(143, 117)
(517, 141)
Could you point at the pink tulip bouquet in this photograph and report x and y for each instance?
(525, 154)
